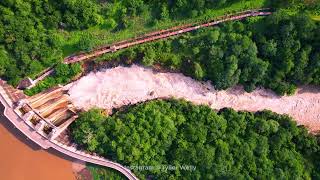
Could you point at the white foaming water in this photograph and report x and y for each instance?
(120, 86)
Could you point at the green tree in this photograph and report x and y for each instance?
(224, 144)
(164, 12)
(62, 69)
(198, 72)
(86, 42)
(4, 60)
(149, 57)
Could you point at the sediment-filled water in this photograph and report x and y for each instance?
(113, 88)
(21, 159)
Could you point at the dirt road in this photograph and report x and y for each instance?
(120, 86)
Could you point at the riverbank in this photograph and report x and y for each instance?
(116, 87)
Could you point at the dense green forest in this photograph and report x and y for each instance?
(278, 52)
(63, 74)
(30, 38)
(103, 173)
(35, 34)
(224, 144)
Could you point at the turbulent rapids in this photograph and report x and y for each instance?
(120, 86)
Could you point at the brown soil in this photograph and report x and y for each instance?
(121, 86)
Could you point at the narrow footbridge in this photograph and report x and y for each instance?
(162, 34)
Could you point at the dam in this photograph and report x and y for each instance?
(49, 112)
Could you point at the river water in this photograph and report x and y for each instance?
(113, 88)
(21, 159)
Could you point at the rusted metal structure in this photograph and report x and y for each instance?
(164, 34)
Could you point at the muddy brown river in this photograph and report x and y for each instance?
(21, 159)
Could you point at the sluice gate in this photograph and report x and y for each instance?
(49, 112)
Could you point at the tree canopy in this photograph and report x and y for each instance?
(277, 52)
(224, 144)
(100, 173)
(63, 74)
(29, 29)
(28, 39)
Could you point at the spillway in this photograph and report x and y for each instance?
(49, 112)
(44, 95)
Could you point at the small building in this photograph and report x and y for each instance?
(26, 83)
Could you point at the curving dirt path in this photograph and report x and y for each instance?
(120, 86)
